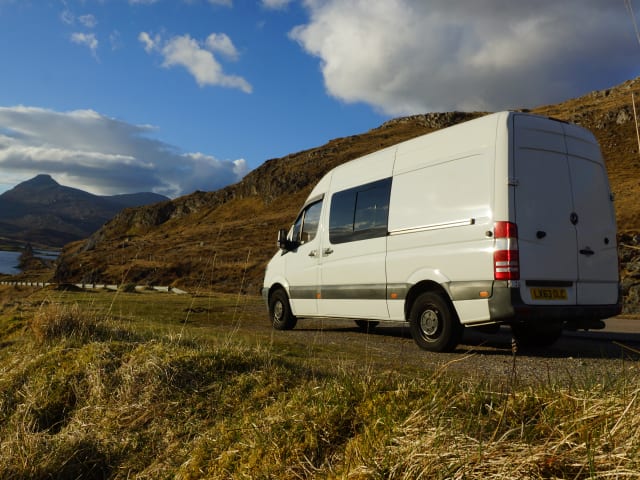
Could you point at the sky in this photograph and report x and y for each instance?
(173, 96)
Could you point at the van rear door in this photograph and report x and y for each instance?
(564, 214)
(595, 222)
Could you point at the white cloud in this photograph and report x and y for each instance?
(221, 43)
(275, 4)
(407, 56)
(149, 43)
(67, 17)
(103, 155)
(198, 58)
(88, 20)
(223, 3)
(87, 39)
(142, 2)
(115, 38)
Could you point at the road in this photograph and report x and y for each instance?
(623, 324)
(576, 358)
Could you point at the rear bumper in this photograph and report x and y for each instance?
(506, 306)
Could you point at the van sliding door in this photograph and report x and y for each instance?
(352, 265)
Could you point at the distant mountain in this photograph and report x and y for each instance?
(43, 212)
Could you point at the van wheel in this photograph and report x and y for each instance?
(366, 325)
(536, 336)
(280, 311)
(433, 324)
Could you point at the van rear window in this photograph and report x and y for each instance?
(360, 213)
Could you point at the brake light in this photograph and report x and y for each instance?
(506, 257)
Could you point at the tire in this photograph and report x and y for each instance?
(366, 325)
(536, 336)
(433, 324)
(280, 311)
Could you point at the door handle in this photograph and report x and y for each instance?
(327, 251)
(313, 253)
(587, 251)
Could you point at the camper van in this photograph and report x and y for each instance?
(507, 219)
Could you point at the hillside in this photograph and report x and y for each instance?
(43, 212)
(223, 239)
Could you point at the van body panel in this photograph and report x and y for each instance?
(353, 276)
(565, 216)
(473, 311)
(423, 215)
(367, 169)
(303, 272)
(353, 280)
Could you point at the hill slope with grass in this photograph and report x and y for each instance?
(223, 239)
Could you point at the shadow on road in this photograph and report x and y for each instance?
(572, 344)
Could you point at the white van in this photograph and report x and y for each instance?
(505, 219)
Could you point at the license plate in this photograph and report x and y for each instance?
(549, 293)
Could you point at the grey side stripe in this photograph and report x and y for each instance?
(397, 291)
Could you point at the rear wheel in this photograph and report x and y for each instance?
(280, 311)
(433, 323)
(366, 325)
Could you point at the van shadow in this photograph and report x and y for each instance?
(572, 344)
(591, 344)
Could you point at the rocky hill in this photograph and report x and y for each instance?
(43, 212)
(222, 240)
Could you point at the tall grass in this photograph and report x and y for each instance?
(81, 399)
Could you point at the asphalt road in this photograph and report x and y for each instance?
(622, 324)
(578, 357)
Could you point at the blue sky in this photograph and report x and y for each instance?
(172, 96)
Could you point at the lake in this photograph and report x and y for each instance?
(9, 260)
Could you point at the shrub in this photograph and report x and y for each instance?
(128, 288)
(54, 321)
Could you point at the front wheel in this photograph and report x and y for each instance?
(280, 311)
(433, 323)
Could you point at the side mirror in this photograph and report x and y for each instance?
(283, 243)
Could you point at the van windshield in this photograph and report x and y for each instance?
(306, 226)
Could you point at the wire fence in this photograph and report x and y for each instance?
(96, 286)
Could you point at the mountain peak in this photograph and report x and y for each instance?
(42, 211)
(41, 180)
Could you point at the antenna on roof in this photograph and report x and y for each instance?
(633, 100)
(635, 117)
(633, 18)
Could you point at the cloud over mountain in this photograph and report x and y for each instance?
(103, 155)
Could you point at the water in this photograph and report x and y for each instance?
(9, 260)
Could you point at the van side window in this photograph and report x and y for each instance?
(306, 226)
(360, 213)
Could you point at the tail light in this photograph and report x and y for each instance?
(506, 257)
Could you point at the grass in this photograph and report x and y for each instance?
(149, 385)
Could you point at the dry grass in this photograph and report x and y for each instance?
(55, 321)
(110, 393)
